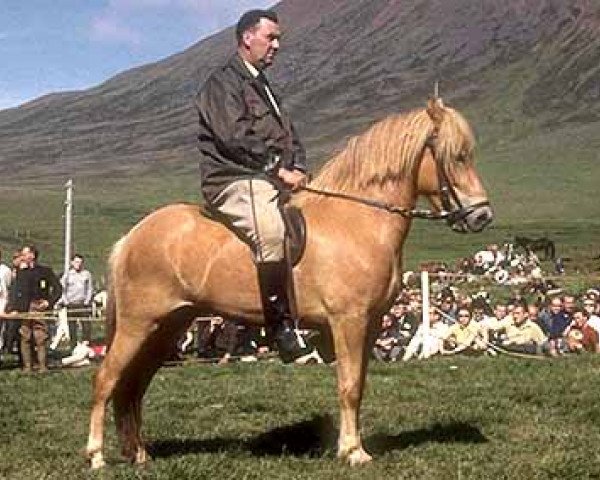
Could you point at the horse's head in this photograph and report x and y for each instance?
(447, 174)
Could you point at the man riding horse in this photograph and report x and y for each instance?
(248, 151)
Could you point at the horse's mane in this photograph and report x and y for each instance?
(388, 150)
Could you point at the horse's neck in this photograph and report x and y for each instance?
(385, 227)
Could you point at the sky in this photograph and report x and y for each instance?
(63, 45)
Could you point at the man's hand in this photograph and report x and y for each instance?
(292, 178)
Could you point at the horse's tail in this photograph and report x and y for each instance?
(111, 300)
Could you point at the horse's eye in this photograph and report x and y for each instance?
(462, 157)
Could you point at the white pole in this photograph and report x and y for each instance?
(426, 320)
(68, 224)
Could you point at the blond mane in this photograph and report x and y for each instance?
(389, 149)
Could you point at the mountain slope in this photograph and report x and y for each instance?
(344, 64)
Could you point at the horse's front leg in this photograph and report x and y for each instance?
(351, 340)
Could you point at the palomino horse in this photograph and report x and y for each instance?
(177, 264)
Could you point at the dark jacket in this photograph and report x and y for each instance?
(32, 284)
(240, 130)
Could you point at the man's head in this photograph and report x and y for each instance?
(569, 304)
(77, 262)
(533, 312)
(29, 253)
(258, 34)
(589, 305)
(519, 314)
(500, 311)
(434, 315)
(580, 317)
(556, 305)
(463, 316)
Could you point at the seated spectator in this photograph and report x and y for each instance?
(466, 335)
(387, 346)
(591, 307)
(448, 307)
(406, 322)
(569, 305)
(490, 322)
(533, 314)
(554, 322)
(423, 345)
(580, 336)
(518, 333)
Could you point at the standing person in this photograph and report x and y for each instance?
(5, 280)
(40, 289)
(11, 330)
(249, 150)
(77, 297)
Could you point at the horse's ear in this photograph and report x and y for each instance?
(435, 110)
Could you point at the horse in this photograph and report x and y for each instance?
(177, 264)
(531, 245)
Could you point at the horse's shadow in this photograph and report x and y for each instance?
(316, 438)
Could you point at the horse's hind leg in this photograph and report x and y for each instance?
(128, 396)
(123, 349)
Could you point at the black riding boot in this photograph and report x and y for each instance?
(272, 279)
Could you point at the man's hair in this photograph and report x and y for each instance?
(77, 255)
(250, 19)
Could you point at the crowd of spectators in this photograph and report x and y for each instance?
(479, 325)
(553, 324)
(30, 296)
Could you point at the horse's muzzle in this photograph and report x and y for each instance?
(473, 218)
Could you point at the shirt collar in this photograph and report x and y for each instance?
(251, 68)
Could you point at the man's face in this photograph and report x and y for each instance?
(434, 315)
(464, 317)
(27, 255)
(77, 263)
(261, 43)
(569, 304)
(579, 318)
(589, 305)
(519, 315)
(500, 311)
(556, 305)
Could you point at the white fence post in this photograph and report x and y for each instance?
(426, 322)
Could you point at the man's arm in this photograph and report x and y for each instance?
(89, 289)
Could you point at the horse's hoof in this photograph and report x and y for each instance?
(97, 461)
(141, 457)
(357, 457)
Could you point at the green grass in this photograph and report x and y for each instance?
(451, 418)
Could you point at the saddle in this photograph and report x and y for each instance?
(295, 229)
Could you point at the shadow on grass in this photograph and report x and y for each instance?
(454, 432)
(314, 438)
(311, 437)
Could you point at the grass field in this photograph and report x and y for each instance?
(446, 418)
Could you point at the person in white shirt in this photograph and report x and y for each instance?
(77, 297)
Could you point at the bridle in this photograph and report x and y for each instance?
(453, 216)
(448, 192)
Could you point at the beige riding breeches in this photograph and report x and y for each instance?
(251, 207)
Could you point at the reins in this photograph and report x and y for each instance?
(403, 211)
